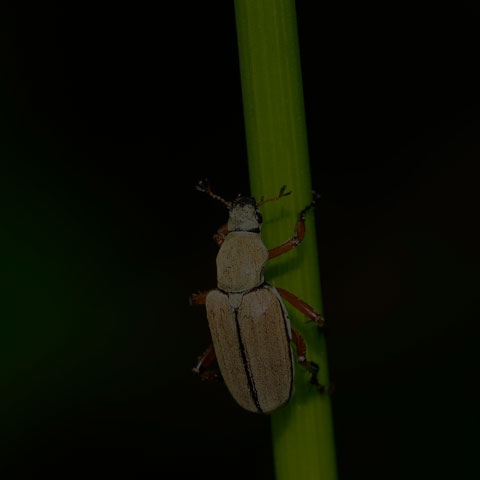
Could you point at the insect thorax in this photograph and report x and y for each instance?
(241, 261)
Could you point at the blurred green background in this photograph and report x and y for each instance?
(110, 113)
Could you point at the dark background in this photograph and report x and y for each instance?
(109, 115)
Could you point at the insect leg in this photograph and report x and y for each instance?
(199, 298)
(220, 234)
(311, 367)
(205, 360)
(299, 233)
(303, 307)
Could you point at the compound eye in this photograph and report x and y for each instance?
(258, 217)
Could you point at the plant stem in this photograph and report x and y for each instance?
(277, 147)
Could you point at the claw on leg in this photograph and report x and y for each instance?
(299, 232)
(310, 366)
(205, 361)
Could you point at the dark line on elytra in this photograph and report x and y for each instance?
(243, 353)
(292, 367)
(244, 292)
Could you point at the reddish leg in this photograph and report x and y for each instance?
(220, 234)
(208, 357)
(205, 360)
(199, 298)
(311, 367)
(303, 307)
(299, 234)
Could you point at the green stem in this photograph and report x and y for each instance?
(278, 154)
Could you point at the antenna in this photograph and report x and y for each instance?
(204, 186)
(280, 195)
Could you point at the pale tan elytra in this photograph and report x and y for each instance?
(252, 346)
(248, 322)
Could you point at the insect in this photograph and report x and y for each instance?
(248, 321)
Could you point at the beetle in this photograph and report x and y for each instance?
(248, 321)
